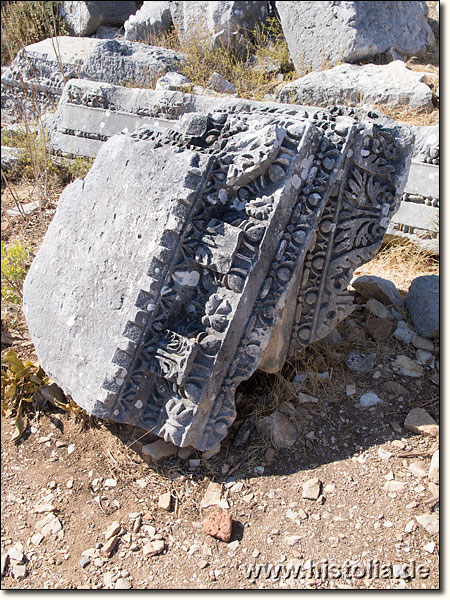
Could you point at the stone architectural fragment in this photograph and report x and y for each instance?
(391, 85)
(35, 80)
(323, 33)
(225, 22)
(193, 254)
(84, 18)
(151, 19)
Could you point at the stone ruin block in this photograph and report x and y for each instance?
(35, 80)
(193, 255)
(84, 18)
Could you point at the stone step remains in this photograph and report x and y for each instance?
(195, 253)
(35, 80)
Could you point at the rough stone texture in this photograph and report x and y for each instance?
(219, 84)
(219, 525)
(407, 367)
(380, 329)
(158, 450)
(426, 146)
(417, 220)
(279, 429)
(191, 256)
(433, 472)
(321, 33)
(381, 289)
(429, 522)
(311, 489)
(420, 421)
(422, 303)
(151, 19)
(35, 80)
(11, 160)
(378, 310)
(173, 81)
(224, 22)
(391, 85)
(83, 18)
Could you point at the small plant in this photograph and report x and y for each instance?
(19, 383)
(78, 167)
(25, 23)
(15, 261)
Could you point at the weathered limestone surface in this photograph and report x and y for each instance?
(36, 78)
(323, 33)
(84, 18)
(391, 85)
(151, 19)
(225, 21)
(417, 219)
(192, 255)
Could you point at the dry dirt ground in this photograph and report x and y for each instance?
(360, 533)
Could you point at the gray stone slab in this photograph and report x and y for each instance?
(423, 180)
(320, 34)
(35, 81)
(390, 85)
(166, 276)
(84, 18)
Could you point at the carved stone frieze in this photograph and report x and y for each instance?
(195, 253)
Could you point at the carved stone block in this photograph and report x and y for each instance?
(192, 255)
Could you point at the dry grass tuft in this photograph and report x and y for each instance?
(400, 263)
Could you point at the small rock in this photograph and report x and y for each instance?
(110, 483)
(378, 309)
(15, 553)
(71, 449)
(381, 289)
(422, 303)
(358, 362)
(410, 526)
(384, 454)
(425, 358)
(212, 495)
(420, 421)
(418, 468)
(202, 563)
(123, 584)
(194, 463)
(403, 333)
(137, 524)
(422, 343)
(429, 547)
(84, 561)
(433, 473)
(350, 389)
(158, 450)
(219, 525)
(398, 429)
(36, 539)
(219, 84)
(69, 483)
(49, 525)
(405, 366)
(210, 453)
(44, 508)
(429, 522)
(279, 429)
(311, 489)
(173, 81)
(380, 329)
(394, 486)
(233, 545)
(19, 571)
(269, 455)
(369, 399)
(108, 549)
(237, 487)
(112, 530)
(392, 387)
(4, 563)
(165, 501)
(306, 399)
(186, 452)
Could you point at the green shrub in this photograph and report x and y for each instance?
(15, 262)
